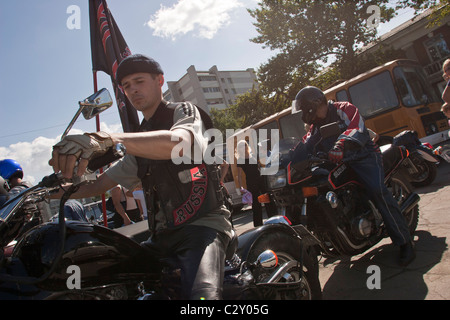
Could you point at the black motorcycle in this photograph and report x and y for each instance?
(330, 201)
(422, 169)
(83, 261)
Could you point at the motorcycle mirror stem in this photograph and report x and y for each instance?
(91, 107)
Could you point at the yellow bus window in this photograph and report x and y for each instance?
(292, 126)
(342, 96)
(374, 95)
(413, 87)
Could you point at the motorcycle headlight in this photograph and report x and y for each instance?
(277, 180)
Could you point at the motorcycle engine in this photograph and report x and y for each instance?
(365, 225)
(361, 214)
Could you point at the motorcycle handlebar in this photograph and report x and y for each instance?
(113, 154)
(319, 157)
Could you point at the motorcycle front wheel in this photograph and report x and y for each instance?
(401, 189)
(281, 244)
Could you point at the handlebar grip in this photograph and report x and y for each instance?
(110, 156)
(50, 181)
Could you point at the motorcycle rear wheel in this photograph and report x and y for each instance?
(281, 244)
(428, 171)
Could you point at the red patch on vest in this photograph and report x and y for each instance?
(186, 211)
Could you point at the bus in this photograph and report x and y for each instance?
(393, 97)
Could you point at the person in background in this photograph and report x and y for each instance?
(12, 172)
(4, 187)
(127, 211)
(446, 76)
(138, 195)
(247, 161)
(74, 210)
(446, 93)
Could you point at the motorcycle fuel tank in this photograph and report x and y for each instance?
(101, 255)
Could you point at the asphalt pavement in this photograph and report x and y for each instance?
(375, 274)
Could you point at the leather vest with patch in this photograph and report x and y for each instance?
(181, 193)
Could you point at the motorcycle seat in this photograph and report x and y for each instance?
(392, 155)
(232, 246)
(151, 248)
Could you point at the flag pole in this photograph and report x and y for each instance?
(97, 121)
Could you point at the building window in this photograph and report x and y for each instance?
(212, 89)
(437, 48)
(207, 78)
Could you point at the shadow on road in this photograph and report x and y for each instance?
(349, 278)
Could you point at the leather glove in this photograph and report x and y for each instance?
(85, 146)
(336, 154)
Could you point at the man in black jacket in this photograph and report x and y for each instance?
(187, 216)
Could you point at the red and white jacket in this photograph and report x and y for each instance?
(350, 120)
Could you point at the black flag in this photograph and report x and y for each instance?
(108, 48)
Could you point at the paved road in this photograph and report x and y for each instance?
(426, 278)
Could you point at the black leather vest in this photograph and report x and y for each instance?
(181, 193)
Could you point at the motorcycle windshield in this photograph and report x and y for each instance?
(280, 150)
(12, 205)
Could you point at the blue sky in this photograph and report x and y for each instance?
(46, 67)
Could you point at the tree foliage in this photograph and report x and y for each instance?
(307, 33)
(441, 8)
(249, 108)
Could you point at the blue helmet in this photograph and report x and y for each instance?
(10, 167)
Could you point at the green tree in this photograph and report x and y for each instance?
(249, 108)
(441, 8)
(306, 33)
(226, 119)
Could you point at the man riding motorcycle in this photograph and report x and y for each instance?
(355, 146)
(12, 172)
(187, 216)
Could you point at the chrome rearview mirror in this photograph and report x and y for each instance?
(90, 107)
(95, 104)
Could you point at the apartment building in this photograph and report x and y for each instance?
(212, 88)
